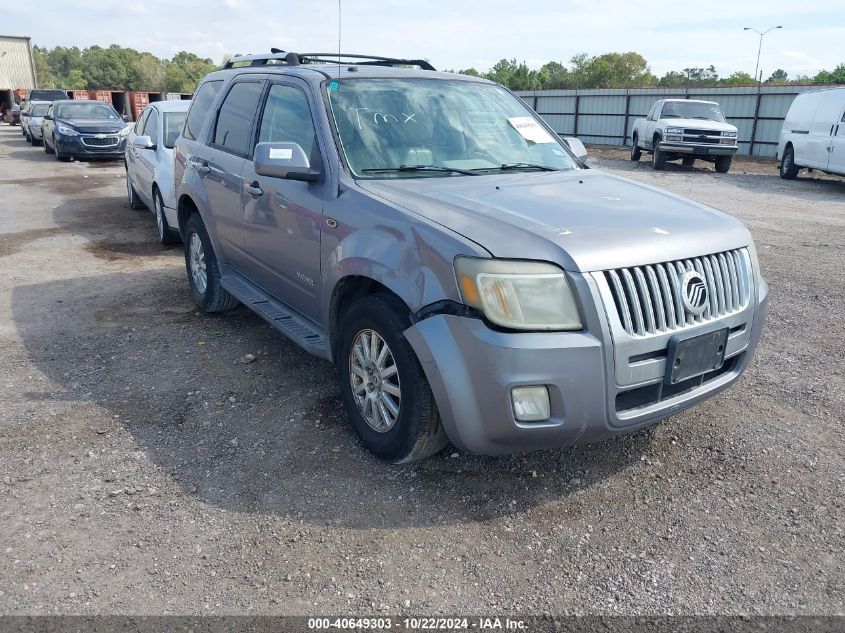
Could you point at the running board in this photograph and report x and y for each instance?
(285, 319)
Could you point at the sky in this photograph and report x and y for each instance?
(456, 34)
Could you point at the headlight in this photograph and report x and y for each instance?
(67, 131)
(730, 134)
(517, 294)
(125, 131)
(674, 130)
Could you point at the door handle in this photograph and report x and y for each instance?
(254, 189)
(200, 165)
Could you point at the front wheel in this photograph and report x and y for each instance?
(658, 158)
(788, 168)
(203, 272)
(723, 163)
(636, 152)
(58, 152)
(384, 390)
(47, 148)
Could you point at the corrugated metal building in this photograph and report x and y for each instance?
(17, 67)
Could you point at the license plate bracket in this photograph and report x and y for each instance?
(696, 355)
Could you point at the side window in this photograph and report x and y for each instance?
(151, 126)
(287, 119)
(139, 125)
(199, 108)
(233, 131)
(654, 110)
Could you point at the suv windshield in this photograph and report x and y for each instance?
(39, 109)
(692, 110)
(395, 127)
(86, 111)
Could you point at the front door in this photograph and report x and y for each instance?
(837, 147)
(221, 164)
(282, 218)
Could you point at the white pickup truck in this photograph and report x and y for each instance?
(686, 129)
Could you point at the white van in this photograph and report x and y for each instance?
(813, 133)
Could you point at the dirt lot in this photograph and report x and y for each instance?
(145, 469)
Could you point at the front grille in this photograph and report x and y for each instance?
(106, 141)
(648, 300)
(702, 136)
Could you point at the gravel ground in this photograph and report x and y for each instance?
(146, 468)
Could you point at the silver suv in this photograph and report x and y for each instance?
(472, 279)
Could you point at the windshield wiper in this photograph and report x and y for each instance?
(508, 166)
(404, 168)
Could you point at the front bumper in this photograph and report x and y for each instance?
(472, 368)
(75, 146)
(700, 149)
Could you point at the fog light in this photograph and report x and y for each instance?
(674, 137)
(531, 404)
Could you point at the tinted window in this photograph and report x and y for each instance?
(199, 108)
(173, 122)
(234, 122)
(151, 126)
(287, 119)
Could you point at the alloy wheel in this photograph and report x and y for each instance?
(196, 258)
(374, 379)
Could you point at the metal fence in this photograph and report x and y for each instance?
(606, 116)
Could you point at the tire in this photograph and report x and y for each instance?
(59, 156)
(132, 196)
(723, 164)
(788, 168)
(47, 148)
(201, 265)
(636, 152)
(414, 431)
(688, 161)
(166, 235)
(33, 141)
(658, 158)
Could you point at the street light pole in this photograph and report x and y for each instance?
(759, 46)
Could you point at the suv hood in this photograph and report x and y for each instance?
(585, 220)
(699, 124)
(94, 126)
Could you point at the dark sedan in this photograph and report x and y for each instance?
(84, 128)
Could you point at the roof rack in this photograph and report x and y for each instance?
(278, 56)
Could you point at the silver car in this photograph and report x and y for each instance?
(31, 122)
(149, 164)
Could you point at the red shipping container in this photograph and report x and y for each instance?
(100, 95)
(137, 102)
(19, 94)
(80, 94)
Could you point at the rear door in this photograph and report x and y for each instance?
(132, 151)
(221, 164)
(837, 145)
(145, 158)
(282, 218)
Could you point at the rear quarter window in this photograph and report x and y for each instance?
(199, 108)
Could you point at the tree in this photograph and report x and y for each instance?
(147, 73)
(46, 78)
(673, 79)
(835, 76)
(184, 71)
(739, 78)
(778, 77)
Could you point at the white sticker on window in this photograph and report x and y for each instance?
(281, 153)
(530, 130)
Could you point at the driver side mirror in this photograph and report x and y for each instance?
(48, 117)
(576, 147)
(143, 142)
(125, 118)
(283, 160)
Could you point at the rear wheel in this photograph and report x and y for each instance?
(385, 392)
(166, 235)
(636, 152)
(658, 158)
(723, 163)
(132, 196)
(203, 271)
(788, 168)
